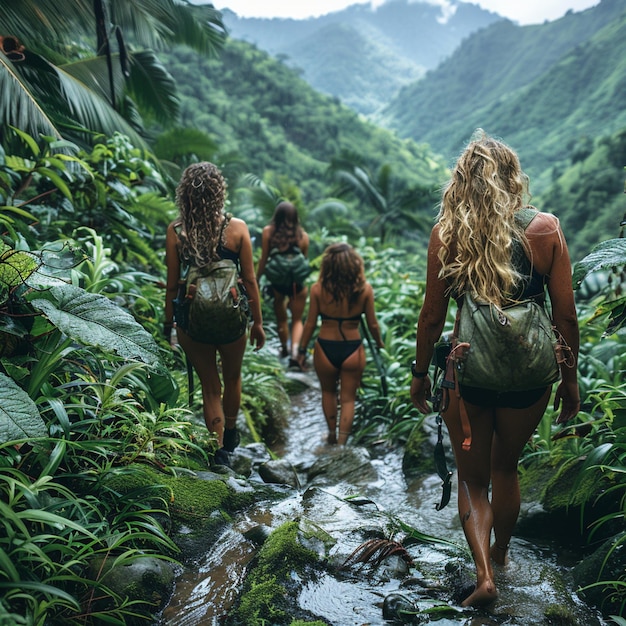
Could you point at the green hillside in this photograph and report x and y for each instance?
(256, 107)
(335, 57)
(588, 195)
(540, 87)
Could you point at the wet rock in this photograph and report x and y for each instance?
(345, 464)
(396, 606)
(279, 472)
(608, 562)
(147, 580)
(258, 534)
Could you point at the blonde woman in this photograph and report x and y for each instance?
(340, 297)
(473, 247)
(203, 233)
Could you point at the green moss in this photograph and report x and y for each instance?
(282, 553)
(266, 591)
(559, 615)
(299, 622)
(261, 604)
(190, 500)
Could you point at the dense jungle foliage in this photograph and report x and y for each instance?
(91, 394)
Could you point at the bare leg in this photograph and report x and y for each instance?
(328, 376)
(473, 470)
(232, 359)
(282, 323)
(513, 428)
(203, 357)
(296, 306)
(351, 374)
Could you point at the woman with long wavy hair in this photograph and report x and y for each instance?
(472, 249)
(341, 296)
(203, 233)
(282, 234)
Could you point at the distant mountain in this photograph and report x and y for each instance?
(362, 55)
(542, 88)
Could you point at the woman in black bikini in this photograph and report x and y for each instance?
(488, 242)
(284, 232)
(340, 297)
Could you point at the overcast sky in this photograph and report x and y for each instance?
(521, 11)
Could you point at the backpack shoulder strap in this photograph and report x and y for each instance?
(525, 216)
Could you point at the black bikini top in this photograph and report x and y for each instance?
(341, 320)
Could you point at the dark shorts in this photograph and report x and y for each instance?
(289, 291)
(501, 399)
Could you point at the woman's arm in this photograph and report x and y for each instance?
(265, 250)
(257, 334)
(304, 243)
(431, 321)
(565, 320)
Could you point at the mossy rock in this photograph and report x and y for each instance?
(607, 563)
(273, 581)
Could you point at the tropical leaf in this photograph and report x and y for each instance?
(19, 104)
(94, 320)
(19, 417)
(15, 267)
(606, 255)
(152, 87)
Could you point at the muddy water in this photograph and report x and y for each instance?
(206, 590)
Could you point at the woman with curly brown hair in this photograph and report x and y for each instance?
(486, 243)
(340, 297)
(203, 233)
(281, 235)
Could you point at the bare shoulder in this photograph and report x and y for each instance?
(544, 224)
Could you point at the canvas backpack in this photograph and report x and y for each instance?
(512, 348)
(211, 305)
(283, 269)
(509, 348)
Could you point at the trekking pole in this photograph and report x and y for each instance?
(377, 360)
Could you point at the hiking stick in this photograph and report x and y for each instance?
(377, 360)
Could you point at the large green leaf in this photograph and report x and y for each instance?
(606, 255)
(19, 417)
(94, 320)
(15, 268)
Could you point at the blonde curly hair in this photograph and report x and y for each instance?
(342, 273)
(200, 198)
(477, 223)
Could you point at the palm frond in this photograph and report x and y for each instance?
(152, 87)
(19, 106)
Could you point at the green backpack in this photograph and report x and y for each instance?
(211, 306)
(283, 269)
(509, 349)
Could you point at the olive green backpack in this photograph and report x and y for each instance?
(513, 348)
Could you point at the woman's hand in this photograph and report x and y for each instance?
(257, 336)
(567, 397)
(420, 393)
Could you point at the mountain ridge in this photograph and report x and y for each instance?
(407, 38)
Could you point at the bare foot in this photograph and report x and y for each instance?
(499, 554)
(331, 439)
(482, 595)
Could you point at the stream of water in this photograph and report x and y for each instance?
(206, 590)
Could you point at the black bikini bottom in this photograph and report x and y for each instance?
(338, 351)
(501, 399)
